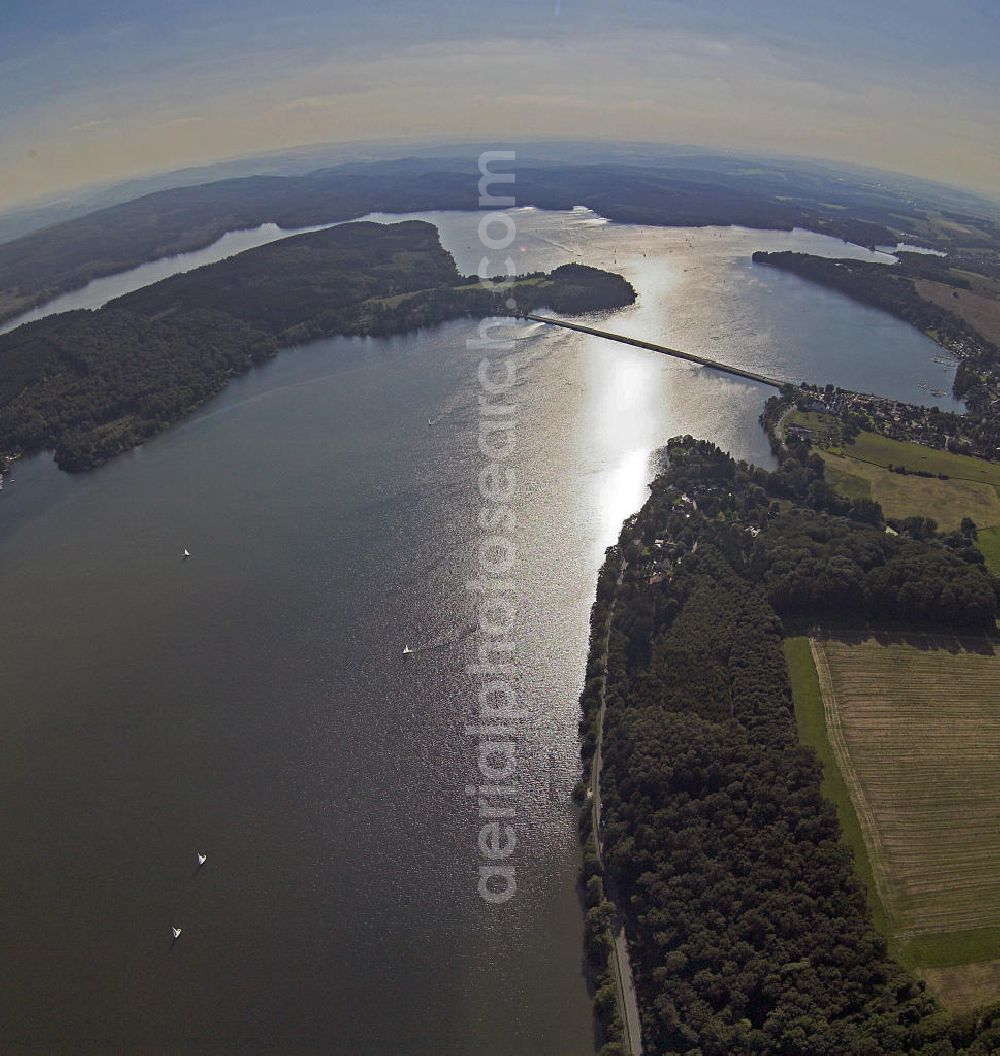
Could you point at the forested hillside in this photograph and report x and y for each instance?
(748, 930)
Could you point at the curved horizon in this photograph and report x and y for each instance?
(94, 97)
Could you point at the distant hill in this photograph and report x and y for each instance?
(690, 189)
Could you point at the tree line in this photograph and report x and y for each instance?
(748, 929)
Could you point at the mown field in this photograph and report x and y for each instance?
(905, 495)
(965, 986)
(978, 308)
(989, 545)
(810, 722)
(912, 726)
(859, 470)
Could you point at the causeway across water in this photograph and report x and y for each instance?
(704, 361)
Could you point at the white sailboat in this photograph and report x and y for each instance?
(202, 858)
(406, 650)
(186, 554)
(177, 933)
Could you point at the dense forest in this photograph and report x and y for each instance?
(90, 384)
(748, 930)
(688, 192)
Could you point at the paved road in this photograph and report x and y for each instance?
(704, 361)
(620, 956)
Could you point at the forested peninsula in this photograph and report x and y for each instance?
(748, 930)
(90, 384)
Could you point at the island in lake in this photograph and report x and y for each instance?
(90, 384)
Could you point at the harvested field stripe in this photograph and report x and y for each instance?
(811, 723)
(914, 725)
(959, 947)
(863, 810)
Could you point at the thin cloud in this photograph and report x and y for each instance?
(180, 122)
(91, 126)
(306, 103)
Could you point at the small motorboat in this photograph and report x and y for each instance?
(202, 859)
(176, 933)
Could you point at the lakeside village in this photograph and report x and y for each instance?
(895, 419)
(660, 558)
(971, 433)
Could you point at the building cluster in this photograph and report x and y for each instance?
(661, 559)
(892, 418)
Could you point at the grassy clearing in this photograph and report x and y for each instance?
(904, 495)
(10, 304)
(961, 989)
(841, 477)
(983, 284)
(913, 724)
(811, 724)
(397, 299)
(989, 546)
(826, 428)
(882, 451)
(859, 470)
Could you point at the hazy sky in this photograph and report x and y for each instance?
(93, 90)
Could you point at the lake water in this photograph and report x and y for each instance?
(98, 292)
(252, 702)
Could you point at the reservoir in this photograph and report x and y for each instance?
(98, 292)
(253, 702)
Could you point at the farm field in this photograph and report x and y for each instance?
(905, 495)
(810, 723)
(978, 309)
(912, 724)
(883, 451)
(859, 470)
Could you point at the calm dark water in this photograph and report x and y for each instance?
(252, 702)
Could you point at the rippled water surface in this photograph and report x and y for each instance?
(252, 702)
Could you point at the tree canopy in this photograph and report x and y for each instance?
(748, 930)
